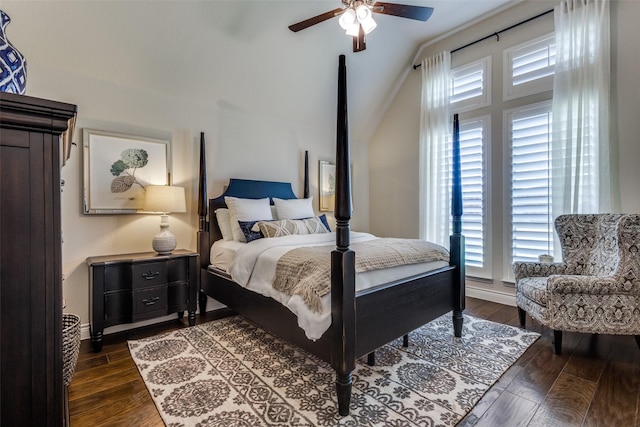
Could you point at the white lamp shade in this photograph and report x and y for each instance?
(164, 198)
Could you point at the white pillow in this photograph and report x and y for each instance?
(246, 210)
(224, 222)
(294, 208)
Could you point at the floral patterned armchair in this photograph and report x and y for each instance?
(596, 289)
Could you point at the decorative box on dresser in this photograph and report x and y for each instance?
(31, 364)
(130, 288)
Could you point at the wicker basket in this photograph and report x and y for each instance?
(70, 345)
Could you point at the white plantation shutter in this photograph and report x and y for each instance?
(467, 84)
(470, 85)
(531, 216)
(529, 67)
(472, 143)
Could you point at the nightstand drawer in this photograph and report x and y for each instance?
(149, 274)
(149, 301)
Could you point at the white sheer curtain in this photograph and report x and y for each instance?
(434, 159)
(581, 175)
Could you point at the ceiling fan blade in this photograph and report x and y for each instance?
(419, 13)
(359, 41)
(315, 20)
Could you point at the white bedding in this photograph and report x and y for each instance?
(253, 265)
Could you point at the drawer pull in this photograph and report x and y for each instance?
(150, 275)
(150, 301)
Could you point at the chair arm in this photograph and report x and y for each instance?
(537, 269)
(591, 285)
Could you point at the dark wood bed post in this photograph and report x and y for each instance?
(203, 227)
(306, 175)
(343, 308)
(457, 239)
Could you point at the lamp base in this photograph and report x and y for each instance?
(164, 242)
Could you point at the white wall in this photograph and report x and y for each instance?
(394, 149)
(105, 58)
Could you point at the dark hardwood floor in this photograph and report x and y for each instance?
(595, 382)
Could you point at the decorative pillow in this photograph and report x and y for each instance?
(222, 215)
(247, 230)
(294, 208)
(246, 210)
(323, 218)
(288, 227)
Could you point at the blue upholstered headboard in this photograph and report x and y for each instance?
(253, 189)
(246, 189)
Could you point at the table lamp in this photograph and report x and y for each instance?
(164, 199)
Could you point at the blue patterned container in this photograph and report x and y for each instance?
(13, 66)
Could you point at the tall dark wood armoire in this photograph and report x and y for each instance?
(31, 382)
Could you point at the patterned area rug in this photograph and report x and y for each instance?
(230, 373)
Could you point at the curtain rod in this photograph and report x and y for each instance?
(496, 34)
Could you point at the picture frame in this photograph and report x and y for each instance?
(327, 186)
(117, 167)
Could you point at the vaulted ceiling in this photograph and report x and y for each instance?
(241, 54)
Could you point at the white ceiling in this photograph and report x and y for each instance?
(240, 53)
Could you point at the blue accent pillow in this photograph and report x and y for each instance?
(250, 235)
(323, 220)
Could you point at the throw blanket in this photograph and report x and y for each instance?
(306, 271)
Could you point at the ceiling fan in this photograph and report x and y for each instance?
(357, 20)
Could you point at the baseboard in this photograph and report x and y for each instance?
(490, 295)
(85, 331)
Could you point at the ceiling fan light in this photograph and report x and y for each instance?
(353, 29)
(347, 19)
(363, 12)
(368, 25)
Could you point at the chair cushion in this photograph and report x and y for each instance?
(534, 288)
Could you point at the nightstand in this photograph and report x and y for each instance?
(129, 288)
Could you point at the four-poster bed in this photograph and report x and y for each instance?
(360, 321)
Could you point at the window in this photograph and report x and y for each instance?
(528, 67)
(529, 130)
(471, 85)
(525, 194)
(510, 207)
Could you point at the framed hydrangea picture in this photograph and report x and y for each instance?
(117, 169)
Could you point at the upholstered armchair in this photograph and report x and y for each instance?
(596, 289)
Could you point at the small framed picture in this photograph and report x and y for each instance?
(118, 167)
(327, 186)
